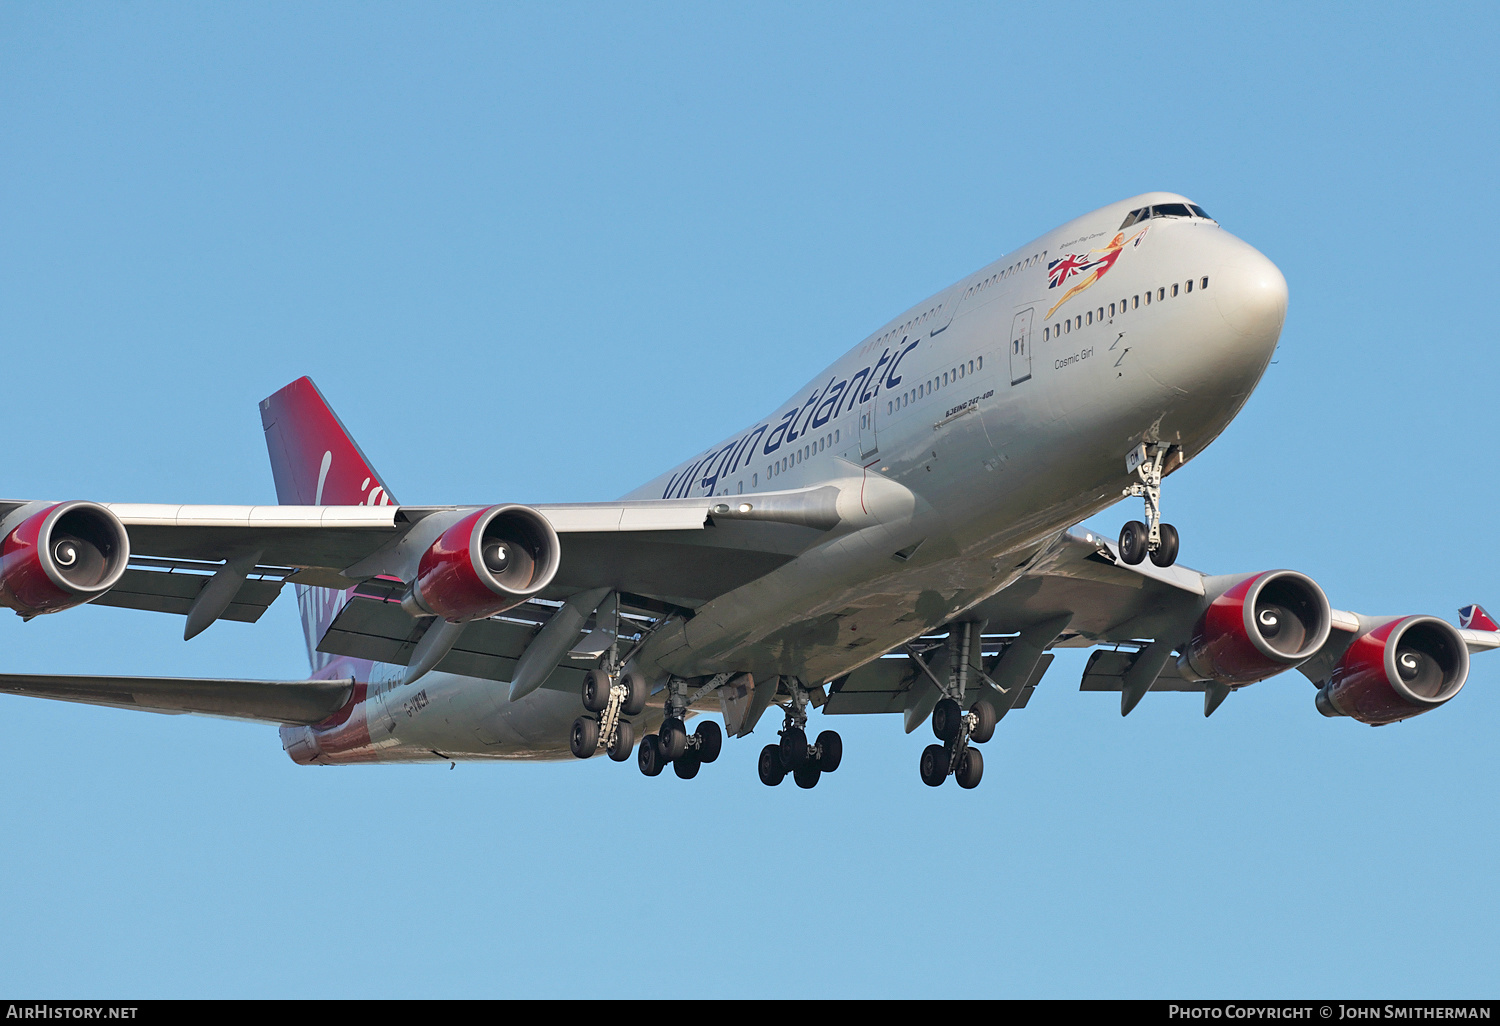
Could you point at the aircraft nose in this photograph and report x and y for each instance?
(1251, 296)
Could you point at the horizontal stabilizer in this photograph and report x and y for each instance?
(270, 701)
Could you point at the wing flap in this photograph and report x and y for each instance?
(372, 625)
(268, 701)
(172, 589)
(1106, 668)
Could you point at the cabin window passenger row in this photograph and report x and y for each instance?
(1061, 328)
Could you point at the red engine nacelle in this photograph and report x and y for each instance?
(1263, 625)
(61, 557)
(1398, 670)
(490, 561)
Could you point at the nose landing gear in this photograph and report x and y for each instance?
(1153, 538)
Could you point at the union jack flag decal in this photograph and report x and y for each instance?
(1475, 618)
(1063, 268)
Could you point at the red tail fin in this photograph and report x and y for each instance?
(316, 463)
(314, 460)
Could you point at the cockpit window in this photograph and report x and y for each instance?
(1163, 210)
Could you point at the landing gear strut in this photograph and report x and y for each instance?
(673, 744)
(958, 730)
(611, 698)
(805, 762)
(1155, 538)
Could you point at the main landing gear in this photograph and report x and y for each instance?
(610, 698)
(805, 762)
(1153, 538)
(673, 744)
(958, 730)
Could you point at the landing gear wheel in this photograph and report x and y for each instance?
(945, 719)
(648, 755)
(596, 691)
(624, 742)
(793, 748)
(985, 720)
(673, 739)
(970, 769)
(1166, 553)
(769, 766)
(833, 751)
(583, 740)
(710, 740)
(807, 775)
(687, 765)
(636, 693)
(1134, 538)
(934, 765)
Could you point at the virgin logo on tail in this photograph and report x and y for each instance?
(376, 496)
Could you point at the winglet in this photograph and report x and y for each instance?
(1474, 618)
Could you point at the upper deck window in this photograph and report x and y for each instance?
(1163, 210)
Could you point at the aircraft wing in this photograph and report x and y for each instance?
(682, 552)
(266, 701)
(1076, 592)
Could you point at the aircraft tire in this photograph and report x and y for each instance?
(934, 765)
(711, 740)
(984, 729)
(793, 748)
(673, 739)
(970, 769)
(583, 739)
(596, 690)
(1166, 553)
(624, 742)
(1133, 541)
(636, 693)
(769, 766)
(807, 775)
(687, 765)
(945, 719)
(648, 756)
(833, 750)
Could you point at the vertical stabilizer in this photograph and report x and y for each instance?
(316, 463)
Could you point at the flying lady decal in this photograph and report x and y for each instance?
(1072, 264)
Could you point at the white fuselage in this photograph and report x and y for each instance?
(1004, 407)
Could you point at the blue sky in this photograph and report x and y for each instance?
(543, 252)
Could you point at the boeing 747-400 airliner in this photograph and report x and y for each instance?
(897, 537)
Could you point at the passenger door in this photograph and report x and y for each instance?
(1020, 347)
(868, 444)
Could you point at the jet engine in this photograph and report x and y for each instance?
(1263, 625)
(490, 561)
(61, 557)
(1399, 670)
